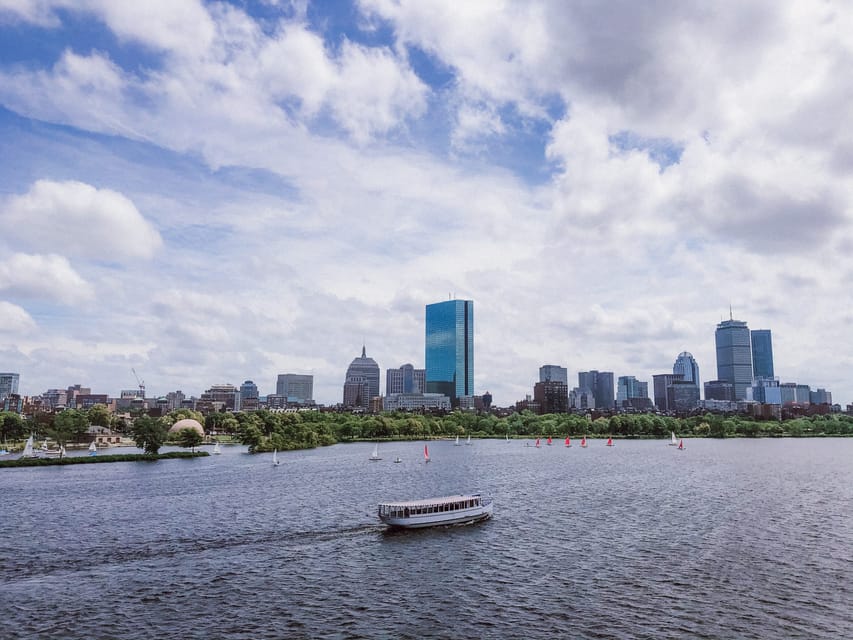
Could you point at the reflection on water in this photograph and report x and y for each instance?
(746, 538)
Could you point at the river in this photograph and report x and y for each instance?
(727, 539)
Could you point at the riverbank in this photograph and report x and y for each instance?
(121, 457)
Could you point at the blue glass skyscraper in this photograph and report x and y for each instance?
(450, 348)
(762, 354)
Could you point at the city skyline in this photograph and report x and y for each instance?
(211, 192)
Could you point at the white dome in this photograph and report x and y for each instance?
(187, 423)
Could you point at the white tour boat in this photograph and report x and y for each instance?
(434, 512)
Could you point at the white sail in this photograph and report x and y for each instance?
(673, 442)
(275, 457)
(93, 449)
(216, 449)
(469, 440)
(375, 454)
(28, 449)
(457, 441)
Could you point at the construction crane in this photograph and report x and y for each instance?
(141, 383)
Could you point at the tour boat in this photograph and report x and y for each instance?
(275, 457)
(426, 453)
(93, 448)
(537, 443)
(216, 450)
(568, 442)
(673, 442)
(549, 441)
(583, 442)
(469, 440)
(681, 445)
(609, 442)
(457, 443)
(375, 455)
(431, 512)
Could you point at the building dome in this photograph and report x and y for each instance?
(187, 423)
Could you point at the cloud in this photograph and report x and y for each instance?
(14, 319)
(78, 219)
(49, 277)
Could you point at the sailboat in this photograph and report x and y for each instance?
(469, 440)
(609, 442)
(457, 441)
(93, 448)
(549, 441)
(673, 442)
(275, 457)
(62, 453)
(216, 450)
(568, 442)
(537, 443)
(426, 453)
(507, 437)
(375, 455)
(681, 445)
(583, 442)
(28, 449)
(398, 460)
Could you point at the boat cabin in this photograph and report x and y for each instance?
(429, 507)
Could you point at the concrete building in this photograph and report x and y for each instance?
(406, 379)
(361, 384)
(552, 396)
(416, 402)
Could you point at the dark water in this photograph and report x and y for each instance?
(728, 539)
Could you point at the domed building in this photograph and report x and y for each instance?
(187, 423)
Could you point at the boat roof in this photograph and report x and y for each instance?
(429, 501)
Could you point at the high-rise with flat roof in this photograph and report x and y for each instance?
(8, 384)
(762, 353)
(295, 388)
(553, 373)
(601, 385)
(450, 349)
(406, 379)
(734, 355)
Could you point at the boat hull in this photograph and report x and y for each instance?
(436, 512)
(439, 519)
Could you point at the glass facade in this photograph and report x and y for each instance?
(734, 356)
(762, 354)
(450, 348)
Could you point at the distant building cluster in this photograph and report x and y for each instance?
(745, 381)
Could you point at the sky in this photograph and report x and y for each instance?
(213, 192)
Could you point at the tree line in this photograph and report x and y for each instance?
(265, 430)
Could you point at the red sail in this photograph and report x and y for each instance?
(426, 452)
(568, 442)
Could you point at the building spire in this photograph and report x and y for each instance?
(731, 315)
(363, 351)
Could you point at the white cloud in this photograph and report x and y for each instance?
(49, 277)
(14, 319)
(78, 219)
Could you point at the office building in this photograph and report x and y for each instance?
(632, 394)
(682, 396)
(248, 397)
(406, 379)
(553, 373)
(820, 396)
(361, 384)
(295, 388)
(686, 365)
(581, 399)
(552, 396)
(660, 385)
(220, 397)
(762, 353)
(600, 383)
(450, 349)
(416, 402)
(734, 355)
(767, 391)
(9, 384)
(721, 390)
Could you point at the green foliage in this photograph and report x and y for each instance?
(11, 426)
(189, 438)
(181, 414)
(99, 416)
(69, 425)
(149, 433)
(120, 457)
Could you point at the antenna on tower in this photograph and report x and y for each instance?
(731, 316)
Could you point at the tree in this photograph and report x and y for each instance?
(149, 434)
(189, 438)
(99, 416)
(70, 424)
(11, 426)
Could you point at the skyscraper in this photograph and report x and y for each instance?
(362, 381)
(295, 387)
(686, 365)
(631, 393)
(553, 373)
(734, 355)
(248, 396)
(8, 384)
(601, 385)
(762, 353)
(406, 379)
(450, 348)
